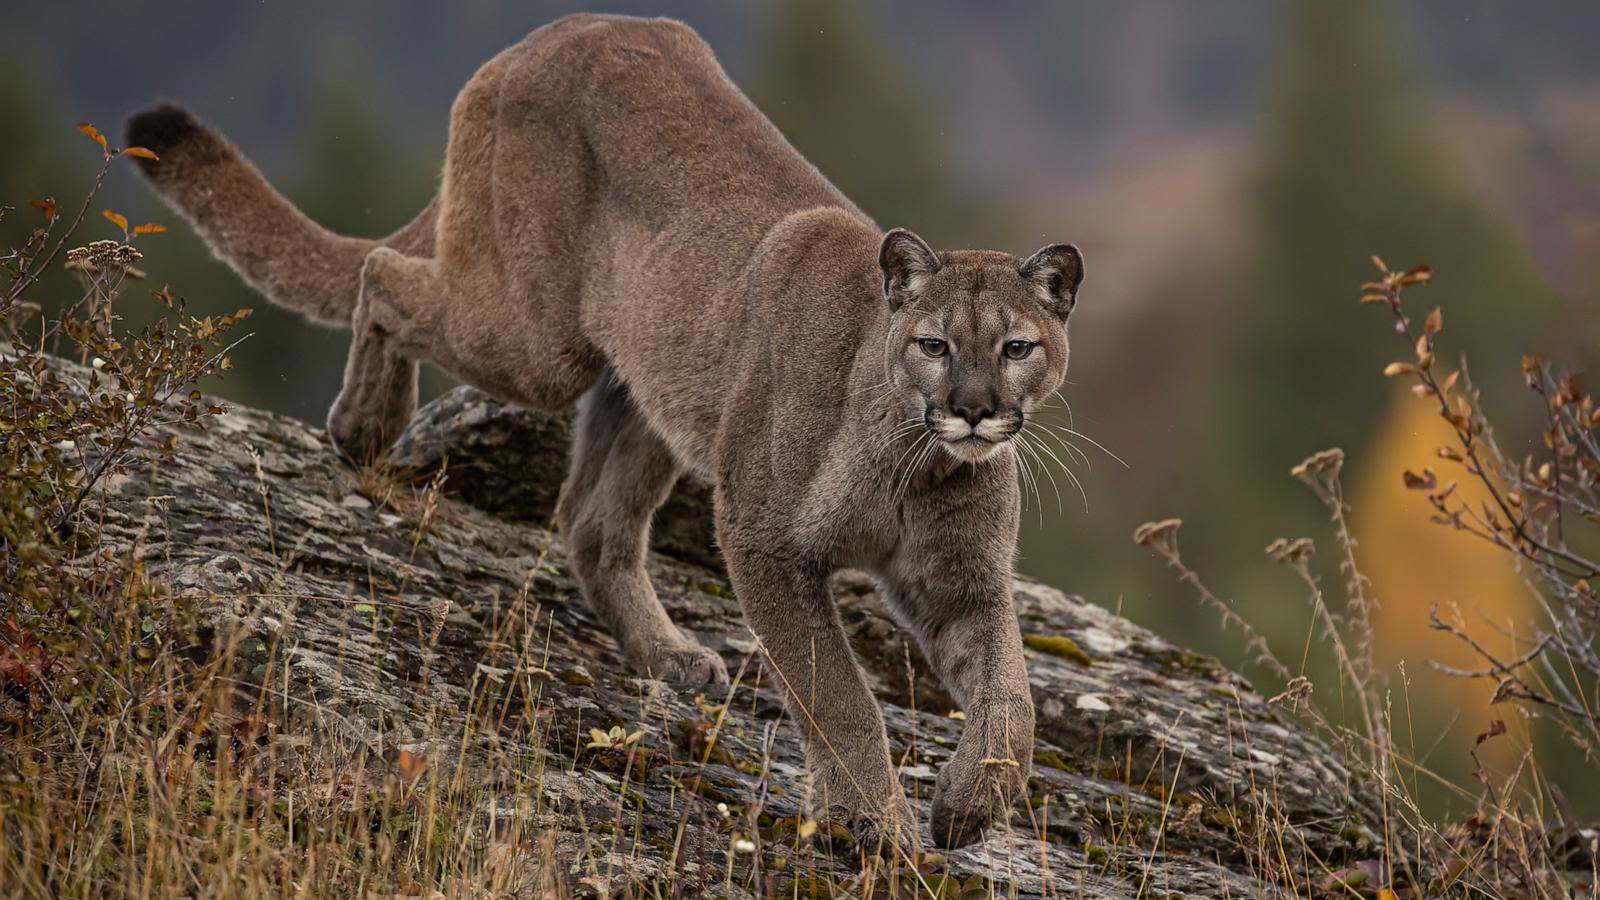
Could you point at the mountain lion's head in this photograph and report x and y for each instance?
(977, 339)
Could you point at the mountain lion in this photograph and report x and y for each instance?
(618, 227)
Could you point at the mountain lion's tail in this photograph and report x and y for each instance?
(283, 254)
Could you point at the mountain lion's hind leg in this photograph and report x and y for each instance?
(379, 393)
(621, 472)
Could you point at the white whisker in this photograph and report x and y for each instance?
(904, 453)
(1029, 483)
(1081, 492)
(1029, 446)
(1073, 450)
(916, 465)
(1097, 445)
(1065, 470)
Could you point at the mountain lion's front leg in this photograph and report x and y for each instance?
(958, 601)
(805, 650)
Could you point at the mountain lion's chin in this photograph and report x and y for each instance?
(971, 448)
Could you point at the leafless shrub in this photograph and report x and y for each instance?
(1535, 507)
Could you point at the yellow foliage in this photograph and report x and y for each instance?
(1413, 563)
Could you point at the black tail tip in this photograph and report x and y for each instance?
(161, 128)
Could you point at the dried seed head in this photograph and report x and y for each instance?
(103, 256)
(1160, 536)
(1295, 552)
(1325, 463)
(1295, 692)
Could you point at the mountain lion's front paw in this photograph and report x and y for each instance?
(690, 666)
(971, 794)
(885, 832)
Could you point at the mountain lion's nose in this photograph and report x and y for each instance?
(972, 409)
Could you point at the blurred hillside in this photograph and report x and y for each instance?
(1226, 167)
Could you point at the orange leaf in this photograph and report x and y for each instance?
(94, 135)
(46, 206)
(141, 152)
(410, 765)
(149, 228)
(117, 220)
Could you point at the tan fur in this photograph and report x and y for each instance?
(617, 222)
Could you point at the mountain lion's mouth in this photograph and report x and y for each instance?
(971, 448)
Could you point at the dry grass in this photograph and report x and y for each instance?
(1524, 840)
(145, 751)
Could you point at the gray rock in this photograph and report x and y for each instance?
(510, 460)
(1157, 771)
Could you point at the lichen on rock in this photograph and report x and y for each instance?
(450, 629)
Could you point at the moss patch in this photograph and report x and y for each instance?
(1055, 645)
(1052, 760)
(575, 678)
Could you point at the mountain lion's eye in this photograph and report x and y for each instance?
(933, 346)
(1019, 349)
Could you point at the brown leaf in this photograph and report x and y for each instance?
(1435, 321)
(1398, 368)
(1417, 275)
(118, 220)
(46, 206)
(1424, 482)
(94, 135)
(1374, 298)
(1496, 728)
(141, 152)
(1379, 263)
(1450, 381)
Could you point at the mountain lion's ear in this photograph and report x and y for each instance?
(1055, 273)
(907, 262)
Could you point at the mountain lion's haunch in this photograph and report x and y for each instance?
(619, 227)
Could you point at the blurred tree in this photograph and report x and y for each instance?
(843, 102)
(1354, 167)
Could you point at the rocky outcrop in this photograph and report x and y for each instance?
(446, 626)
